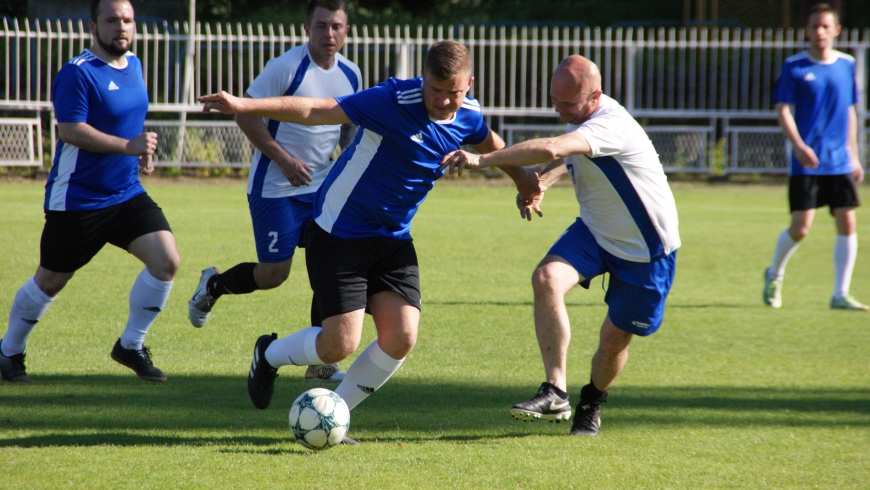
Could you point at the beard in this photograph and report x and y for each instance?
(109, 47)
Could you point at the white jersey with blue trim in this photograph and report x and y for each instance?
(295, 73)
(379, 182)
(623, 192)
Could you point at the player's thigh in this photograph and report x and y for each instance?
(158, 251)
(576, 249)
(396, 270)
(340, 335)
(279, 224)
(637, 292)
(803, 192)
(338, 272)
(70, 239)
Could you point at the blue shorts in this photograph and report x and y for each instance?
(636, 292)
(279, 225)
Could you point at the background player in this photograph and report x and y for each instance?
(93, 195)
(359, 253)
(823, 130)
(289, 165)
(628, 229)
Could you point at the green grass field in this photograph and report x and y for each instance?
(728, 394)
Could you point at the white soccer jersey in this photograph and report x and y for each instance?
(294, 73)
(622, 189)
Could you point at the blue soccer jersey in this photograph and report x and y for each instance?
(379, 182)
(113, 101)
(821, 95)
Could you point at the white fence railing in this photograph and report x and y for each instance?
(718, 79)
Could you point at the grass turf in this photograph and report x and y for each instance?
(728, 394)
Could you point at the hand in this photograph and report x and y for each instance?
(459, 160)
(296, 172)
(806, 156)
(858, 172)
(146, 164)
(222, 102)
(143, 144)
(529, 182)
(532, 203)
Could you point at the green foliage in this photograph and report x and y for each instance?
(728, 394)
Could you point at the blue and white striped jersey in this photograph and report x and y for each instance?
(623, 192)
(379, 182)
(113, 101)
(293, 73)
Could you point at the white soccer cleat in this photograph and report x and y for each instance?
(200, 305)
(772, 292)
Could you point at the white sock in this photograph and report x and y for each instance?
(27, 309)
(368, 373)
(298, 349)
(785, 246)
(845, 251)
(147, 299)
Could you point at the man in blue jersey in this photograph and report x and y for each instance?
(628, 229)
(93, 195)
(289, 165)
(815, 97)
(360, 256)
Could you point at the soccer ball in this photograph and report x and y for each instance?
(319, 419)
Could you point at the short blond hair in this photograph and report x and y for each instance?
(446, 60)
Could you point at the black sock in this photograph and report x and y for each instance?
(556, 390)
(237, 280)
(589, 394)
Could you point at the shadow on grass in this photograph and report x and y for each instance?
(215, 410)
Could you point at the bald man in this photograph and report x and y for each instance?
(628, 229)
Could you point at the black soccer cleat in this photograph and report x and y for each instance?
(347, 441)
(261, 378)
(139, 361)
(546, 405)
(587, 420)
(12, 369)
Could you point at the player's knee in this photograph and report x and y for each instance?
(798, 233)
(166, 269)
(543, 280)
(273, 275)
(336, 351)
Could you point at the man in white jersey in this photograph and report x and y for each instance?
(360, 255)
(628, 229)
(289, 164)
(816, 97)
(93, 195)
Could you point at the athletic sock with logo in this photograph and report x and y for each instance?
(147, 299)
(785, 246)
(845, 251)
(29, 305)
(368, 373)
(298, 349)
(237, 280)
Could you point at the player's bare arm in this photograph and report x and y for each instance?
(310, 111)
(531, 152)
(857, 169)
(84, 136)
(297, 172)
(546, 177)
(805, 155)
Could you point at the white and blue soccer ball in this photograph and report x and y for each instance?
(319, 419)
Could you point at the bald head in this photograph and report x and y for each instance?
(578, 72)
(575, 89)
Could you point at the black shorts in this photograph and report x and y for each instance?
(814, 191)
(345, 272)
(70, 239)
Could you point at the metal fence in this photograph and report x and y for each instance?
(690, 87)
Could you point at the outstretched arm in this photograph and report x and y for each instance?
(530, 152)
(310, 111)
(526, 182)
